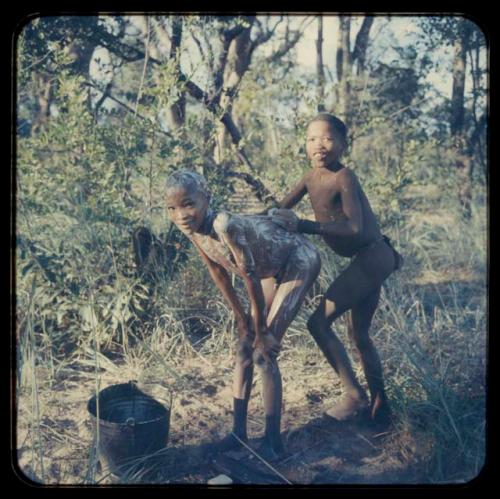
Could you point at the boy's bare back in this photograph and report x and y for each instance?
(254, 242)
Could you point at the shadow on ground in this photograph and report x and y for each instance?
(323, 451)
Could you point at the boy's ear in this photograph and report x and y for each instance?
(343, 145)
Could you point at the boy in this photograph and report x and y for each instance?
(348, 226)
(277, 267)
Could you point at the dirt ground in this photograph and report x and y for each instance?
(319, 450)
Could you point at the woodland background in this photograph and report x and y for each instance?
(107, 290)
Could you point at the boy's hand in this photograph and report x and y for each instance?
(244, 327)
(286, 219)
(266, 347)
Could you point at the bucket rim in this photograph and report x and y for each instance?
(107, 422)
(166, 411)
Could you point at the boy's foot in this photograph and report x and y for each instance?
(382, 419)
(229, 442)
(270, 453)
(381, 416)
(347, 408)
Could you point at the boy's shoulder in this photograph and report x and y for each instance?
(346, 172)
(346, 175)
(308, 175)
(225, 222)
(221, 221)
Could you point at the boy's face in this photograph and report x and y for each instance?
(186, 208)
(322, 144)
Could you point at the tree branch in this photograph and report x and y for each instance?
(260, 190)
(200, 49)
(232, 33)
(161, 33)
(126, 107)
(361, 42)
(104, 96)
(146, 57)
(291, 39)
(127, 52)
(211, 103)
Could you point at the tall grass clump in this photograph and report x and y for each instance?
(434, 336)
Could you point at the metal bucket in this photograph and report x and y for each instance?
(131, 423)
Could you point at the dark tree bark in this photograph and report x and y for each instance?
(463, 161)
(176, 114)
(80, 52)
(320, 70)
(43, 93)
(361, 45)
(344, 68)
(457, 97)
(235, 64)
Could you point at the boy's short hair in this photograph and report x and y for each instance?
(337, 124)
(188, 179)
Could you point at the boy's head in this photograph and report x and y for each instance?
(326, 139)
(188, 198)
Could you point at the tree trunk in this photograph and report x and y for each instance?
(320, 70)
(344, 68)
(176, 113)
(463, 161)
(457, 97)
(237, 62)
(361, 45)
(475, 146)
(43, 97)
(81, 53)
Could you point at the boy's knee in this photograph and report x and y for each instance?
(316, 265)
(265, 364)
(316, 324)
(244, 351)
(362, 343)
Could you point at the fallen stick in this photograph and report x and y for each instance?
(241, 472)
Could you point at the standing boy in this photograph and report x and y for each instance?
(345, 220)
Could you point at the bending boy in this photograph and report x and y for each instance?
(277, 266)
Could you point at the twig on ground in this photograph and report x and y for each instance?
(274, 470)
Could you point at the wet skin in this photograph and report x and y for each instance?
(349, 228)
(277, 266)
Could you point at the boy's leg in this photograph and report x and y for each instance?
(354, 398)
(359, 322)
(301, 271)
(362, 278)
(243, 376)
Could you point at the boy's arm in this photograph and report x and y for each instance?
(234, 237)
(351, 207)
(295, 195)
(291, 199)
(223, 282)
